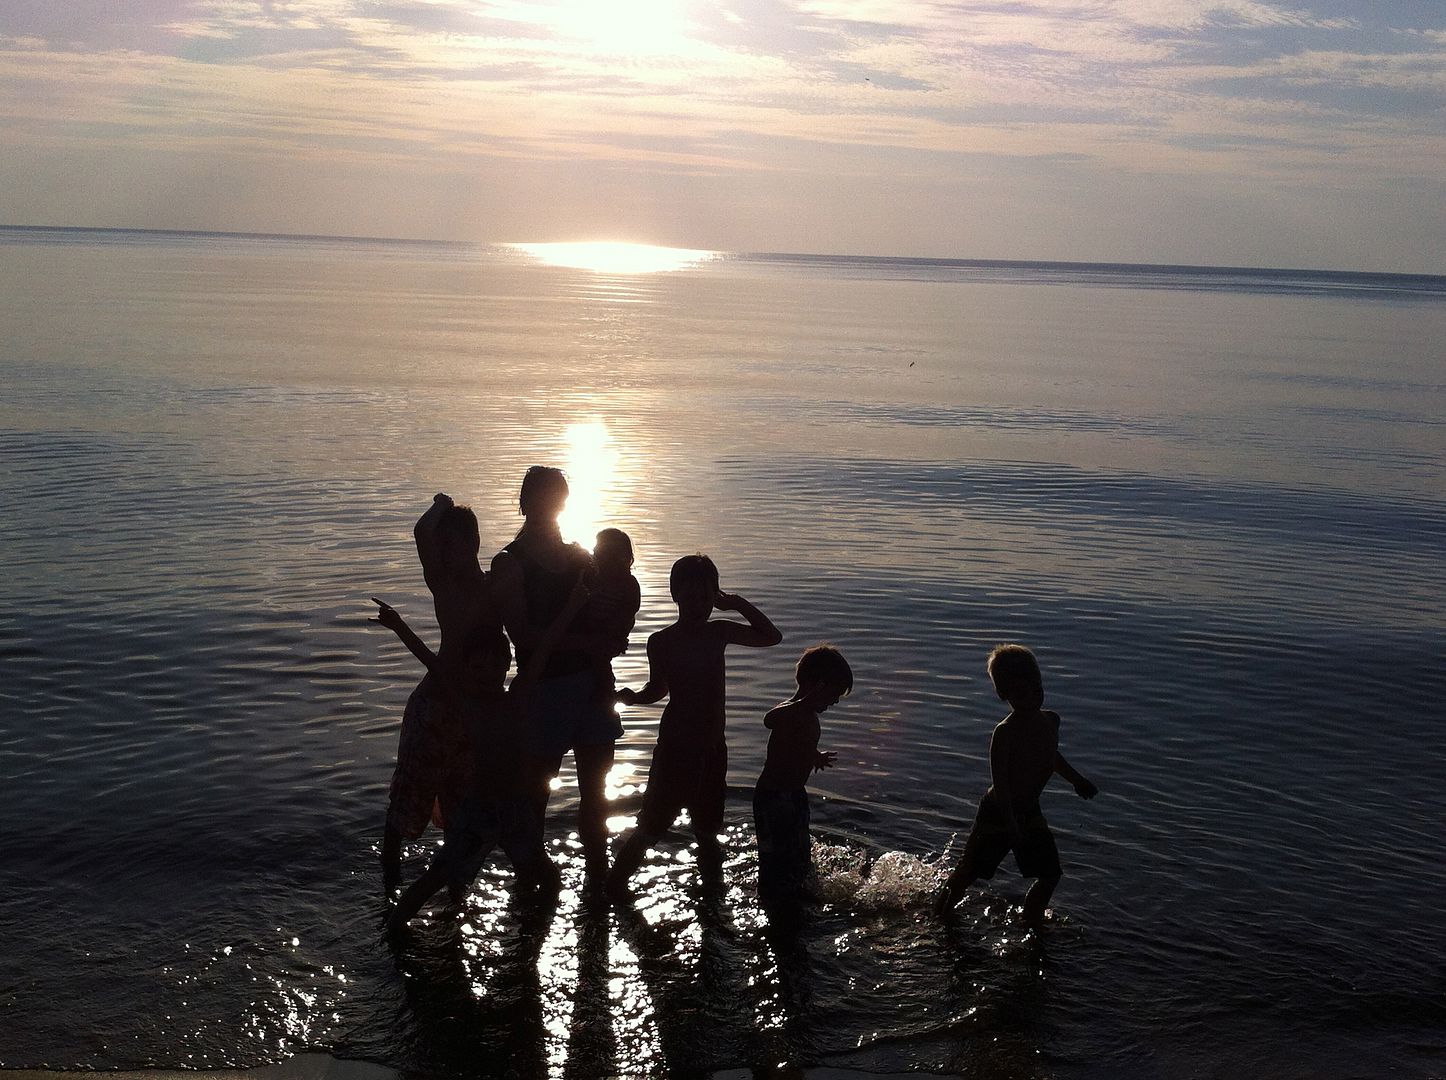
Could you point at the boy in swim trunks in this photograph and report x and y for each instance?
(780, 800)
(689, 770)
(1023, 755)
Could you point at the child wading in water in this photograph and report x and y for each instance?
(690, 763)
(432, 756)
(1023, 755)
(780, 802)
(613, 602)
(501, 804)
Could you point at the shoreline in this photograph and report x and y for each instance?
(312, 1065)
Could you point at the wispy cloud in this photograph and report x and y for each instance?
(1244, 90)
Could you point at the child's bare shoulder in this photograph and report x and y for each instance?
(783, 713)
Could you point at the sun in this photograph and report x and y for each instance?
(605, 257)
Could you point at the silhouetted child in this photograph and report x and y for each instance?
(689, 770)
(1023, 755)
(780, 801)
(613, 601)
(431, 769)
(501, 805)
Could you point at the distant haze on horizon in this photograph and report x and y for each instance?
(1238, 132)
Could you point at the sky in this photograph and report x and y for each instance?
(1236, 132)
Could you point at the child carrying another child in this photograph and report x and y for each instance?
(502, 804)
(689, 770)
(432, 759)
(780, 802)
(1023, 755)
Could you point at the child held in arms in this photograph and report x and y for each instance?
(689, 770)
(780, 802)
(614, 598)
(1023, 755)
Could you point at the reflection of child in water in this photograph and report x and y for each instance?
(613, 602)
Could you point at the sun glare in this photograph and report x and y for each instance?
(603, 257)
(590, 465)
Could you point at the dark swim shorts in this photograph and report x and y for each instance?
(784, 847)
(989, 841)
(570, 711)
(685, 778)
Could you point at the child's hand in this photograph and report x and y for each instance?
(444, 499)
(626, 696)
(726, 601)
(386, 615)
(1085, 790)
(825, 759)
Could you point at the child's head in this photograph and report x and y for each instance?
(693, 582)
(823, 673)
(487, 657)
(613, 551)
(544, 491)
(1015, 674)
(458, 538)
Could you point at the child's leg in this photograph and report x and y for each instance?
(1037, 899)
(629, 858)
(417, 895)
(966, 873)
(391, 859)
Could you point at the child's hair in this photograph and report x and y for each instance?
(1013, 669)
(824, 664)
(460, 522)
(614, 541)
(692, 569)
(541, 483)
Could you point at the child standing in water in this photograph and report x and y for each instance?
(501, 804)
(613, 602)
(689, 770)
(1023, 755)
(432, 758)
(780, 801)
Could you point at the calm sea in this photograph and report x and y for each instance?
(1213, 500)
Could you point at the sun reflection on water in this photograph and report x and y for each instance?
(603, 257)
(591, 464)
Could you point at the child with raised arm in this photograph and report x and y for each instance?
(501, 805)
(1023, 755)
(780, 801)
(431, 754)
(689, 770)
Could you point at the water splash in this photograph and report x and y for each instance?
(894, 881)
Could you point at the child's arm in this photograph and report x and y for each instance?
(424, 532)
(656, 688)
(526, 678)
(760, 633)
(1083, 788)
(392, 620)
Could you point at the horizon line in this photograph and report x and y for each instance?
(915, 259)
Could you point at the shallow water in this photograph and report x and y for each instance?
(1214, 503)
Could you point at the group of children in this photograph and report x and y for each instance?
(464, 751)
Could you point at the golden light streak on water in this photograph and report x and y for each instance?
(592, 464)
(604, 257)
